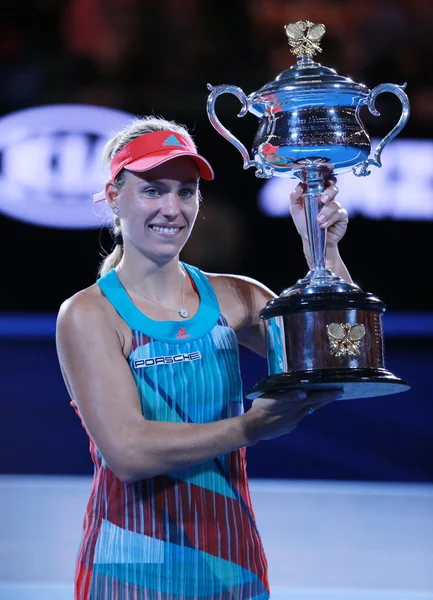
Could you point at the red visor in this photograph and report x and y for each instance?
(153, 149)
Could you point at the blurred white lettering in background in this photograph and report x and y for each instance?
(51, 163)
(401, 189)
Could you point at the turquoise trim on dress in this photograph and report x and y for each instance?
(167, 331)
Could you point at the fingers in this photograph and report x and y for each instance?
(330, 193)
(329, 181)
(287, 399)
(331, 190)
(307, 398)
(319, 399)
(296, 194)
(331, 214)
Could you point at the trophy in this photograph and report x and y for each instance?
(322, 332)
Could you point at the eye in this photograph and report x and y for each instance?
(187, 193)
(151, 192)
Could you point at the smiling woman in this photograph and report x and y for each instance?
(150, 357)
(134, 151)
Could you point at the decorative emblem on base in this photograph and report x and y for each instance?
(345, 339)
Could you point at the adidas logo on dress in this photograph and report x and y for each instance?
(171, 141)
(182, 334)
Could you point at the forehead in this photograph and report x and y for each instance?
(182, 169)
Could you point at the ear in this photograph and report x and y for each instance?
(111, 194)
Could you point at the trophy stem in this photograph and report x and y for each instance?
(313, 178)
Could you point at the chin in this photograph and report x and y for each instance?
(162, 252)
(163, 255)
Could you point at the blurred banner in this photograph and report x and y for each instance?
(51, 163)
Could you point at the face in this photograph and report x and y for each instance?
(158, 208)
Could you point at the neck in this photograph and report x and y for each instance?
(158, 281)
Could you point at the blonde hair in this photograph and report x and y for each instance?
(135, 129)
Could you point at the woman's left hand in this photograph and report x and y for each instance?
(332, 215)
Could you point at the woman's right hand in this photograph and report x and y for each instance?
(269, 417)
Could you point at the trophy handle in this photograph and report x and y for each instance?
(263, 170)
(362, 170)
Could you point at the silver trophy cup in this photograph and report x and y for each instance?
(322, 332)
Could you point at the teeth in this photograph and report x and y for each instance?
(165, 229)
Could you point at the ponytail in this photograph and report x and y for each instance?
(112, 259)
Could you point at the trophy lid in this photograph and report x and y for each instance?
(306, 74)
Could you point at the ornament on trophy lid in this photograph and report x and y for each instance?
(304, 37)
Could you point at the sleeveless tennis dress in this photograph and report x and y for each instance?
(191, 533)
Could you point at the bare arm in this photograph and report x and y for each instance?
(332, 216)
(252, 333)
(99, 380)
(334, 261)
(241, 299)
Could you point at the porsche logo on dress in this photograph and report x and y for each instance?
(142, 363)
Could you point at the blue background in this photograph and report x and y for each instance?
(378, 439)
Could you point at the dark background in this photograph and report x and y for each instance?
(148, 57)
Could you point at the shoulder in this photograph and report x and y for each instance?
(240, 285)
(88, 314)
(82, 307)
(240, 298)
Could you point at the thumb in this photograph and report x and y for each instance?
(296, 195)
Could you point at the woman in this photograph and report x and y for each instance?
(149, 355)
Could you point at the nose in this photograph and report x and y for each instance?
(170, 205)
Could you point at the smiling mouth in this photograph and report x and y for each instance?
(166, 230)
